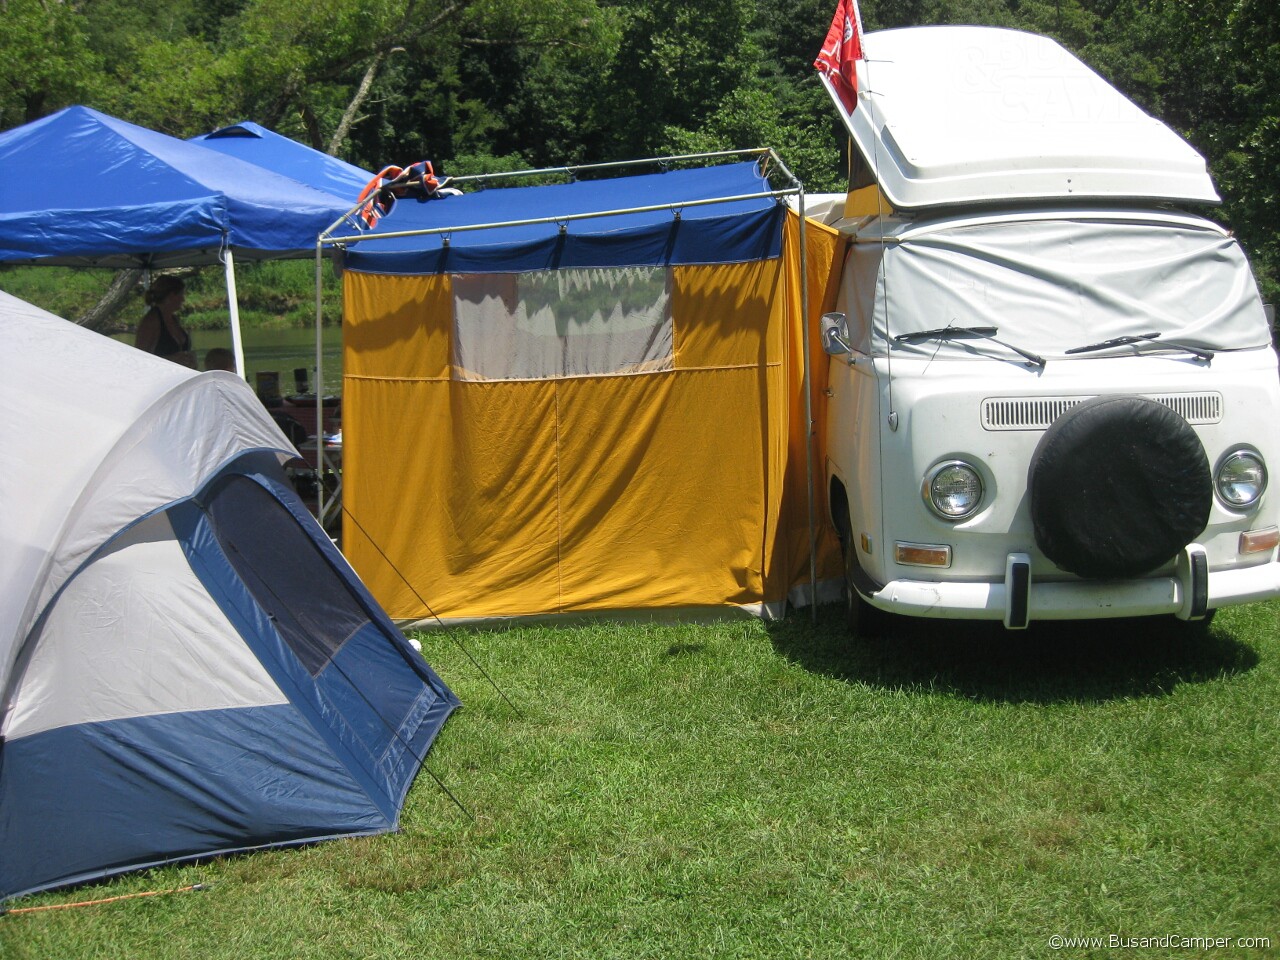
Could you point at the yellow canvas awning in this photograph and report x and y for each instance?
(630, 440)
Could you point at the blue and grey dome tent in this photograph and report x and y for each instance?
(188, 666)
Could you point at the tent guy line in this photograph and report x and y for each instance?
(346, 512)
(190, 888)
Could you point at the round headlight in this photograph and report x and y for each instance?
(1241, 478)
(953, 490)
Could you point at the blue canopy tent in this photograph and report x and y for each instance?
(267, 149)
(85, 189)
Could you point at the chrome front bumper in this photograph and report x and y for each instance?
(1018, 598)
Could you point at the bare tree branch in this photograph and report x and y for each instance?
(541, 44)
(357, 101)
(101, 314)
(399, 35)
(312, 123)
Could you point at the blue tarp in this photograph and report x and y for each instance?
(267, 149)
(729, 232)
(83, 188)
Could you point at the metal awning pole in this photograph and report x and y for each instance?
(808, 409)
(559, 219)
(233, 307)
(319, 386)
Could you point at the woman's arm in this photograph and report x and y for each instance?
(148, 334)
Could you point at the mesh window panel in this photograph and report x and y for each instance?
(562, 323)
(313, 608)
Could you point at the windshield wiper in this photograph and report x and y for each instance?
(1115, 342)
(960, 333)
(1198, 352)
(946, 333)
(1143, 338)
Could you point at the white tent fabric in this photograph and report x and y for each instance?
(168, 658)
(83, 457)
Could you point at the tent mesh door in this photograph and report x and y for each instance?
(312, 606)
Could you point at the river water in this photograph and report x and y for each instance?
(278, 351)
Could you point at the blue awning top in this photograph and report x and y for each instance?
(734, 231)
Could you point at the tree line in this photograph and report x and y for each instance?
(478, 85)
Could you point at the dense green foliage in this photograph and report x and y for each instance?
(476, 85)
(270, 294)
(760, 791)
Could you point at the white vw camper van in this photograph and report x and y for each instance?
(1052, 388)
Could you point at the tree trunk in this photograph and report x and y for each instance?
(101, 314)
(357, 101)
(315, 139)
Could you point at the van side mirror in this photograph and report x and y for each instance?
(835, 334)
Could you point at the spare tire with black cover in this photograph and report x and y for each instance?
(1118, 486)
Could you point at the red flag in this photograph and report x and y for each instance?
(841, 50)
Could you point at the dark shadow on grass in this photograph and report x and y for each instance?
(1052, 662)
(683, 649)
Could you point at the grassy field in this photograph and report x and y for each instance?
(756, 791)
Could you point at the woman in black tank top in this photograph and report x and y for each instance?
(160, 331)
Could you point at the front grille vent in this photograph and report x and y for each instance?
(1193, 407)
(1037, 413)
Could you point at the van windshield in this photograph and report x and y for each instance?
(1054, 285)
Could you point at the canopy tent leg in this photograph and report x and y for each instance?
(808, 411)
(320, 458)
(233, 307)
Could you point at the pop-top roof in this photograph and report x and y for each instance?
(954, 115)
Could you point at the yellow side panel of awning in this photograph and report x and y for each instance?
(672, 488)
(396, 328)
(824, 260)
(669, 504)
(450, 492)
(728, 316)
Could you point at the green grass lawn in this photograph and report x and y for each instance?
(753, 790)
